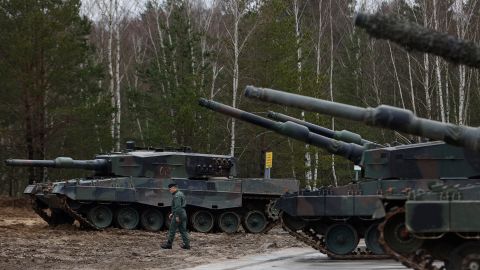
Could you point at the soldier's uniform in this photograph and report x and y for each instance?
(178, 211)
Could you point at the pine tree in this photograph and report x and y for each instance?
(49, 82)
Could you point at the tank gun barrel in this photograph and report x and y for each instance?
(350, 151)
(415, 37)
(343, 135)
(382, 116)
(60, 162)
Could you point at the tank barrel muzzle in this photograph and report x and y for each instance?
(416, 37)
(60, 162)
(382, 116)
(293, 130)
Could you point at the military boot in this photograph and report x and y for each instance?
(185, 246)
(166, 245)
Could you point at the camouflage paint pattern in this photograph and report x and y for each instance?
(141, 178)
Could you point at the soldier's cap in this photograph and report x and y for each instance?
(172, 185)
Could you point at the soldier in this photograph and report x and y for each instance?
(178, 218)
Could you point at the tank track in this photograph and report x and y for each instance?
(41, 212)
(84, 223)
(311, 239)
(420, 260)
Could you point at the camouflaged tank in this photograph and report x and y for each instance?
(334, 219)
(130, 190)
(444, 220)
(440, 223)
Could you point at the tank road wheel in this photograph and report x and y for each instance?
(371, 239)
(341, 238)
(127, 218)
(254, 222)
(202, 221)
(229, 222)
(465, 257)
(397, 236)
(100, 216)
(293, 223)
(152, 220)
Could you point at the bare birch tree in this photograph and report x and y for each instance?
(462, 18)
(335, 180)
(438, 71)
(237, 9)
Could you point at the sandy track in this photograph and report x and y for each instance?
(27, 242)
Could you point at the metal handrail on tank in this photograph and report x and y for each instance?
(350, 151)
(382, 116)
(342, 135)
(416, 37)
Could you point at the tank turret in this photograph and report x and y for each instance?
(415, 37)
(144, 163)
(342, 135)
(382, 116)
(350, 151)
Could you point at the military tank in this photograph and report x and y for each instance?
(441, 218)
(439, 223)
(129, 189)
(334, 219)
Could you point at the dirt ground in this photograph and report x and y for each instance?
(27, 242)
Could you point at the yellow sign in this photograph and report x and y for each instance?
(268, 160)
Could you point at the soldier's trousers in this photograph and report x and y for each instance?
(182, 228)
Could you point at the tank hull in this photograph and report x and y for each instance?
(78, 198)
(311, 215)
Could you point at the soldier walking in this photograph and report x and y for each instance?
(178, 218)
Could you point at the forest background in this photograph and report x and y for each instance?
(78, 79)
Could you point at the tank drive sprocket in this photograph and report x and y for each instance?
(272, 212)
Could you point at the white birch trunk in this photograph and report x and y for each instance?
(396, 75)
(118, 108)
(412, 91)
(317, 80)
(447, 94)
(438, 71)
(307, 156)
(170, 41)
(139, 55)
(331, 88)
(235, 74)
(237, 12)
(461, 25)
(426, 79)
(190, 38)
(110, 71)
(162, 45)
